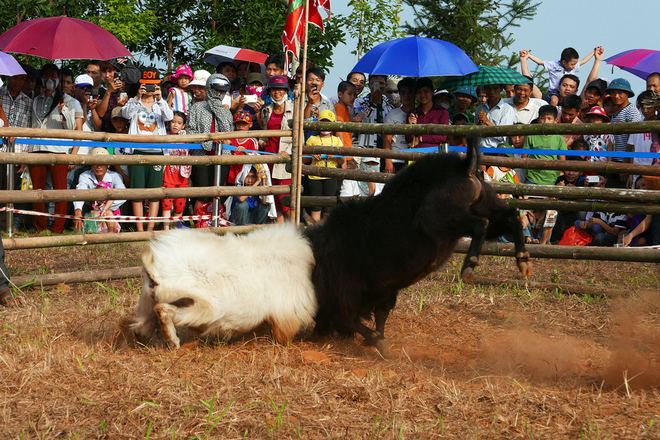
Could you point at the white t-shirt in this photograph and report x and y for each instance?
(642, 143)
(397, 116)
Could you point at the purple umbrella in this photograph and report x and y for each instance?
(639, 62)
(9, 66)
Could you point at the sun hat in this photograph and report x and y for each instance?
(183, 69)
(99, 151)
(256, 77)
(84, 80)
(243, 116)
(221, 84)
(620, 84)
(648, 98)
(444, 92)
(116, 113)
(328, 115)
(597, 110)
(150, 75)
(278, 82)
(200, 77)
(469, 91)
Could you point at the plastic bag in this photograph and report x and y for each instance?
(575, 237)
(207, 209)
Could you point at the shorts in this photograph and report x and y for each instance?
(174, 180)
(321, 187)
(146, 176)
(279, 197)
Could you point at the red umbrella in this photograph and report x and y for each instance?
(62, 38)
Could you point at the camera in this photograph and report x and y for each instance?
(150, 88)
(94, 93)
(117, 75)
(315, 86)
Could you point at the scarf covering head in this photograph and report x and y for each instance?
(203, 114)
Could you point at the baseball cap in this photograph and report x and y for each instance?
(116, 113)
(620, 84)
(150, 75)
(256, 77)
(84, 80)
(200, 77)
(328, 115)
(243, 116)
(597, 84)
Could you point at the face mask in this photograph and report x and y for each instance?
(280, 102)
(254, 90)
(50, 83)
(444, 105)
(326, 132)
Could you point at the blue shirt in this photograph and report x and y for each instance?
(500, 114)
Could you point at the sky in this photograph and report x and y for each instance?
(581, 24)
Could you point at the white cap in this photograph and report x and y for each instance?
(84, 80)
(200, 77)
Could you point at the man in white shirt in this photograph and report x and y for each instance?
(525, 107)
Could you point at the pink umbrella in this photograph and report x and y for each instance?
(639, 62)
(62, 38)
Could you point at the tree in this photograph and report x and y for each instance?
(372, 22)
(480, 27)
(132, 33)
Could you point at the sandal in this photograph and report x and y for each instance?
(7, 299)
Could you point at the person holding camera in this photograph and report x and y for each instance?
(87, 98)
(118, 73)
(315, 102)
(147, 112)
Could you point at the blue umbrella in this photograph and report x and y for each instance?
(9, 66)
(416, 56)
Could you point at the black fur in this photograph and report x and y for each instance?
(366, 251)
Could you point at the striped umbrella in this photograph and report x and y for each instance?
(485, 76)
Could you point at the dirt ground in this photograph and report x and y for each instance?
(465, 361)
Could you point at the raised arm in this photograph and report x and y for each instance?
(588, 57)
(593, 75)
(524, 55)
(535, 59)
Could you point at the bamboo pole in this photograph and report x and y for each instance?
(78, 277)
(301, 119)
(529, 204)
(340, 173)
(569, 289)
(486, 131)
(135, 159)
(72, 195)
(535, 164)
(296, 151)
(568, 252)
(100, 136)
(572, 192)
(91, 239)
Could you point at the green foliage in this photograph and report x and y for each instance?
(372, 22)
(134, 32)
(480, 27)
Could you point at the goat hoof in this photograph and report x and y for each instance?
(522, 256)
(467, 274)
(525, 268)
(473, 261)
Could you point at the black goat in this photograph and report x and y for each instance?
(366, 251)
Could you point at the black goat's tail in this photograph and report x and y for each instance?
(472, 158)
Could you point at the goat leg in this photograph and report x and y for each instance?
(522, 256)
(471, 260)
(165, 313)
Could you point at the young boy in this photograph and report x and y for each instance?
(598, 142)
(242, 122)
(567, 64)
(406, 88)
(251, 209)
(547, 115)
(568, 114)
(346, 95)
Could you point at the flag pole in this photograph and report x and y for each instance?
(301, 118)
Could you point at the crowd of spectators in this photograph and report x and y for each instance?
(115, 96)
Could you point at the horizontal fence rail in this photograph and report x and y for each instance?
(487, 131)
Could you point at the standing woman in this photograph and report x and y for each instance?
(52, 110)
(276, 116)
(209, 117)
(428, 112)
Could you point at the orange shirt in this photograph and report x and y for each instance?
(343, 115)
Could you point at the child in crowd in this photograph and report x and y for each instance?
(179, 98)
(175, 176)
(99, 177)
(147, 112)
(242, 122)
(648, 103)
(458, 141)
(501, 174)
(569, 63)
(346, 95)
(609, 106)
(547, 115)
(567, 114)
(604, 227)
(399, 115)
(566, 219)
(121, 126)
(323, 186)
(253, 210)
(598, 142)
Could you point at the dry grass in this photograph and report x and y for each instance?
(465, 362)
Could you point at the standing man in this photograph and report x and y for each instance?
(525, 107)
(494, 112)
(94, 71)
(620, 91)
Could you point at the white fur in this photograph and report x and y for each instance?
(236, 283)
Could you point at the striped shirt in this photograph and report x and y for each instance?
(182, 101)
(18, 111)
(629, 113)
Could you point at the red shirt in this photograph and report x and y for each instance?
(274, 123)
(436, 115)
(248, 144)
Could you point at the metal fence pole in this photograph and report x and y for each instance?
(216, 182)
(10, 185)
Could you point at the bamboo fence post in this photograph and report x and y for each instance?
(296, 150)
(301, 117)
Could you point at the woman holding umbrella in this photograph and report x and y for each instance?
(56, 111)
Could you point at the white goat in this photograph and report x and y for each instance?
(226, 285)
